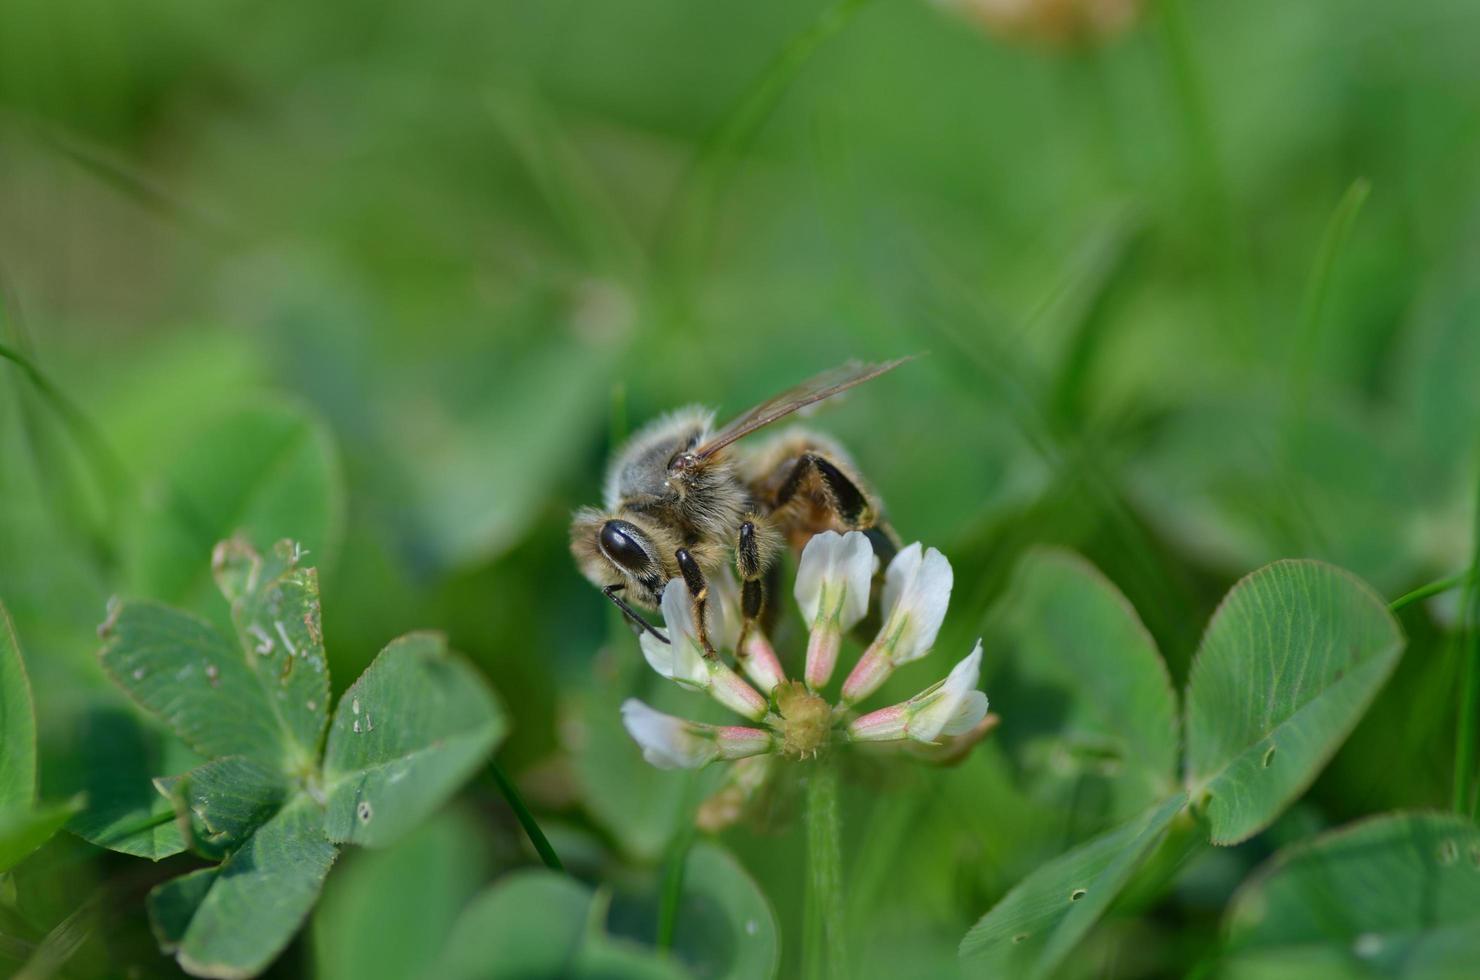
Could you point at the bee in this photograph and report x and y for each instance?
(683, 499)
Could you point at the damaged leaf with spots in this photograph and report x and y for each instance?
(407, 734)
(218, 804)
(275, 608)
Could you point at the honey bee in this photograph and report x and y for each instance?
(681, 498)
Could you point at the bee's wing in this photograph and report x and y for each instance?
(824, 385)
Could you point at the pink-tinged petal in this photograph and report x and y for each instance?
(736, 742)
(822, 655)
(760, 663)
(868, 675)
(730, 690)
(882, 725)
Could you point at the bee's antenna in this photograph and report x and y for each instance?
(633, 616)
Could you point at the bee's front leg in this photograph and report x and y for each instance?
(635, 618)
(693, 577)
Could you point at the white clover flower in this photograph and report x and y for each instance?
(953, 706)
(917, 590)
(832, 587)
(673, 743)
(834, 581)
(684, 659)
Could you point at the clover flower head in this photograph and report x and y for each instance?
(833, 585)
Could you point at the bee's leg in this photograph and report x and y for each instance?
(843, 496)
(885, 542)
(748, 562)
(693, 577)
(633, 616)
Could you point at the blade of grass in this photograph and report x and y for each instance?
(675, 864)
(1211, 187)
(1318, 290)
(128, 180)
(108, 468)
(688, 229)
(526, 818)
(1426, 591)
(1302, 525)
(1468, 639)
(1072, 455)
(95, 527)
(567, 184)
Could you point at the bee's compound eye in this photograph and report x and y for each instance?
(620, 543)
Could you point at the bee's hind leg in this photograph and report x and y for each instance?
(849, 504)
(843, 496)
(751, 564)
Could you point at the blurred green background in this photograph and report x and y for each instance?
(1197, 296)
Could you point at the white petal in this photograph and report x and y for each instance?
(969, 713)
(815, 565)
(680, 659)
(901, 572)
(835, 569)
(724, 610)
(678, 611)
(856, 568)
(951, 703)
(668, 742)
(917, 591)
(659, 655)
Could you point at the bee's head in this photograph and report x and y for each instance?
(626, 550)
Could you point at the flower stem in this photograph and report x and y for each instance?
(824, 873)
(526, 819)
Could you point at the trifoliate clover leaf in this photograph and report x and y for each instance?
(406, 736)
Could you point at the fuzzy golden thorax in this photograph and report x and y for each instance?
(806, 720)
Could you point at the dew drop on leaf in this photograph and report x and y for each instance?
(1448, 852)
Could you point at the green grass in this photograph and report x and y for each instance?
(395, 281)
